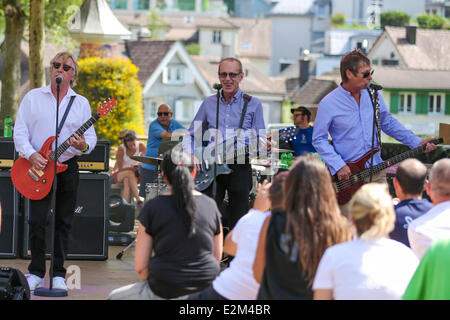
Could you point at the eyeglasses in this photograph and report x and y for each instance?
(367, 73)
(233, 75)
(163, 113)
(66, 67)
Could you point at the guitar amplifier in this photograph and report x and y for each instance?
(7, 153)
(97, 160)
(9, 199)
(88, 238)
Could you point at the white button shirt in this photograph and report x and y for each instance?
(35, 122)
(432, 226)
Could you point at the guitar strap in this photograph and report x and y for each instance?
(376, 122)
(247, 99)
(65, 114)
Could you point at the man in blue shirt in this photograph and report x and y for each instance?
(161, 128)
(231, 104)
(409, 185)
(303, 141)
(346, 113)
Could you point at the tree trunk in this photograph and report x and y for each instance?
(36, 54)
(15, 26)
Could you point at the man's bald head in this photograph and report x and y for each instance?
(411, 175)
(164, 108)
(440, 178)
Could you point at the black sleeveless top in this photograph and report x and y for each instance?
(282, 279)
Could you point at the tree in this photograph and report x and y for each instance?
(100, 79)
(337, 19)
(394, 18)
(15, 18)
(36, 56)
(426, 21)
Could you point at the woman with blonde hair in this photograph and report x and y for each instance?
(292, 242)
(372, 266)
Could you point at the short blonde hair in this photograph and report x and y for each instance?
(372, 211)
(64, 56)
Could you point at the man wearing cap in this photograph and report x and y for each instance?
(302, 143)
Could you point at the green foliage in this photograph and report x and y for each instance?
(193, 49)
(337, 19)
(426, 21)
(394, 18)
(156, 25)
(100, 79)
(57, 15)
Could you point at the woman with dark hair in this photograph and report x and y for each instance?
(183, 229)
(292, 242)
(127, 172)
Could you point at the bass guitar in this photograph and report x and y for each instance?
(36, 184)
(345, 189)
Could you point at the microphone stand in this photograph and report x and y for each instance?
(218, 87)
(51, 292)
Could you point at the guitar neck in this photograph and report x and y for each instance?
(64, 146)
(394, 160)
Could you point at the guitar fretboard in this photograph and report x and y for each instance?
(64, 146)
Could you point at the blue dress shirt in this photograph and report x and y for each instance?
(350, 127)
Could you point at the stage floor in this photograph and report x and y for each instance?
(97, 278)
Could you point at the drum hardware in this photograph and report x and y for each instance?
(276, 150)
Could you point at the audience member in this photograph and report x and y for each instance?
(127, 172)
(183, 228)
(372, 266)
(435, 224)
(236, 282)
(431, 280)
(409, 185)
(292, 242)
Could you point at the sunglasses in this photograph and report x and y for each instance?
(299, 115)
(367, 73)
(163, 113)
(66, 67)
(233, 75)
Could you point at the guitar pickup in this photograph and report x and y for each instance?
(33, 175)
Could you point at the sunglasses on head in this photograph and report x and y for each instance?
(367, 73)
(66, 67)
(163, 113)
(223, 75)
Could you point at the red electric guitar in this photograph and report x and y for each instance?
(345, 189)
(36, 184)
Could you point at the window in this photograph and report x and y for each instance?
(217, 36)
(173, 75)
(436, 103)
(185, 110)
(321, 12)
(386, 62)
(406, 103)
(141, 4)
(118, 4)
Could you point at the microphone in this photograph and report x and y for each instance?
(374, 86)
(217, 86)
(59, 79)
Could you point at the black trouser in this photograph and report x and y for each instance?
(66, 196)
(238, 185)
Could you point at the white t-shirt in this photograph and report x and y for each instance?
(433, 225)
(237, 281)
(366, 270)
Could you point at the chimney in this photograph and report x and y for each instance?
(304, 69)
(411, 33)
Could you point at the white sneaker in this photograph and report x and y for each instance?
(34, 281)
(59, 283)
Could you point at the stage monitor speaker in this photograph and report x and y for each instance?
(88, 238)
(9, 199)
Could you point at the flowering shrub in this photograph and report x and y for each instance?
(99, 79)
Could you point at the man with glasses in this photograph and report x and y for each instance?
(161, 128)
(303, 140)
(35, 123)
(231, 111)
(346, 113)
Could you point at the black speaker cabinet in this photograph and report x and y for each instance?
(10, 217)
(7, 153)
(88, 239)
(97, 160)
